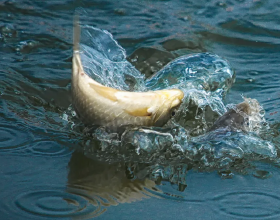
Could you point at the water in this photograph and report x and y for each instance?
(50, 168)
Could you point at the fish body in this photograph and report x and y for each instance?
(100, 105)
(235, 119)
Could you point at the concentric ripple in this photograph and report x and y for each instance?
(248, 204)
(57, 203)
(49, 148)
(13, 136)
(19, 138)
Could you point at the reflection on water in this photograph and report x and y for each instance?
(57, 203)
(205, 175)
(109, 184)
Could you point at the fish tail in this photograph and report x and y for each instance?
(76, 34)
(77, 63)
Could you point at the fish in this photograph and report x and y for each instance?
(99, 105)
(237, 119)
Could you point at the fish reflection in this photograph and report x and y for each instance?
(111, 184)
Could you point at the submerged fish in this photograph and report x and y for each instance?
(236, 118)
(99, 105)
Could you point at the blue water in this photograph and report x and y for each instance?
(51, 170)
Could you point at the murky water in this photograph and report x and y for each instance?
(52, 168)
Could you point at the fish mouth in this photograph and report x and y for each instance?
(178, 98)
(175, 96)
(176, 102)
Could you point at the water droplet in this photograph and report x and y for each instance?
(120, 11)
(250, 80)
(17, 92)
(65, 117)
(262, 174)
(226, 174)
(8, 31)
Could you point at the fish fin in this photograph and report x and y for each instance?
(138, 112)
(156, 116)
(140, 106)
(106, 92)
(77, 63)
(76, 34)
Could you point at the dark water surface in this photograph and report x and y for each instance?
(44, 174)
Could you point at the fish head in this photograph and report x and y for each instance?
(170, 100)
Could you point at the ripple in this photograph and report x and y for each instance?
(49, 148)
(13, 136)
(250, 204)
(58, 203)
(262, 174)
(19, 138)
(168, 191)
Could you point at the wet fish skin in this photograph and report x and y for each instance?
(99, 105)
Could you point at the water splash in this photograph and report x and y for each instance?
(105, 61)
(203, 71)
(205, 79)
